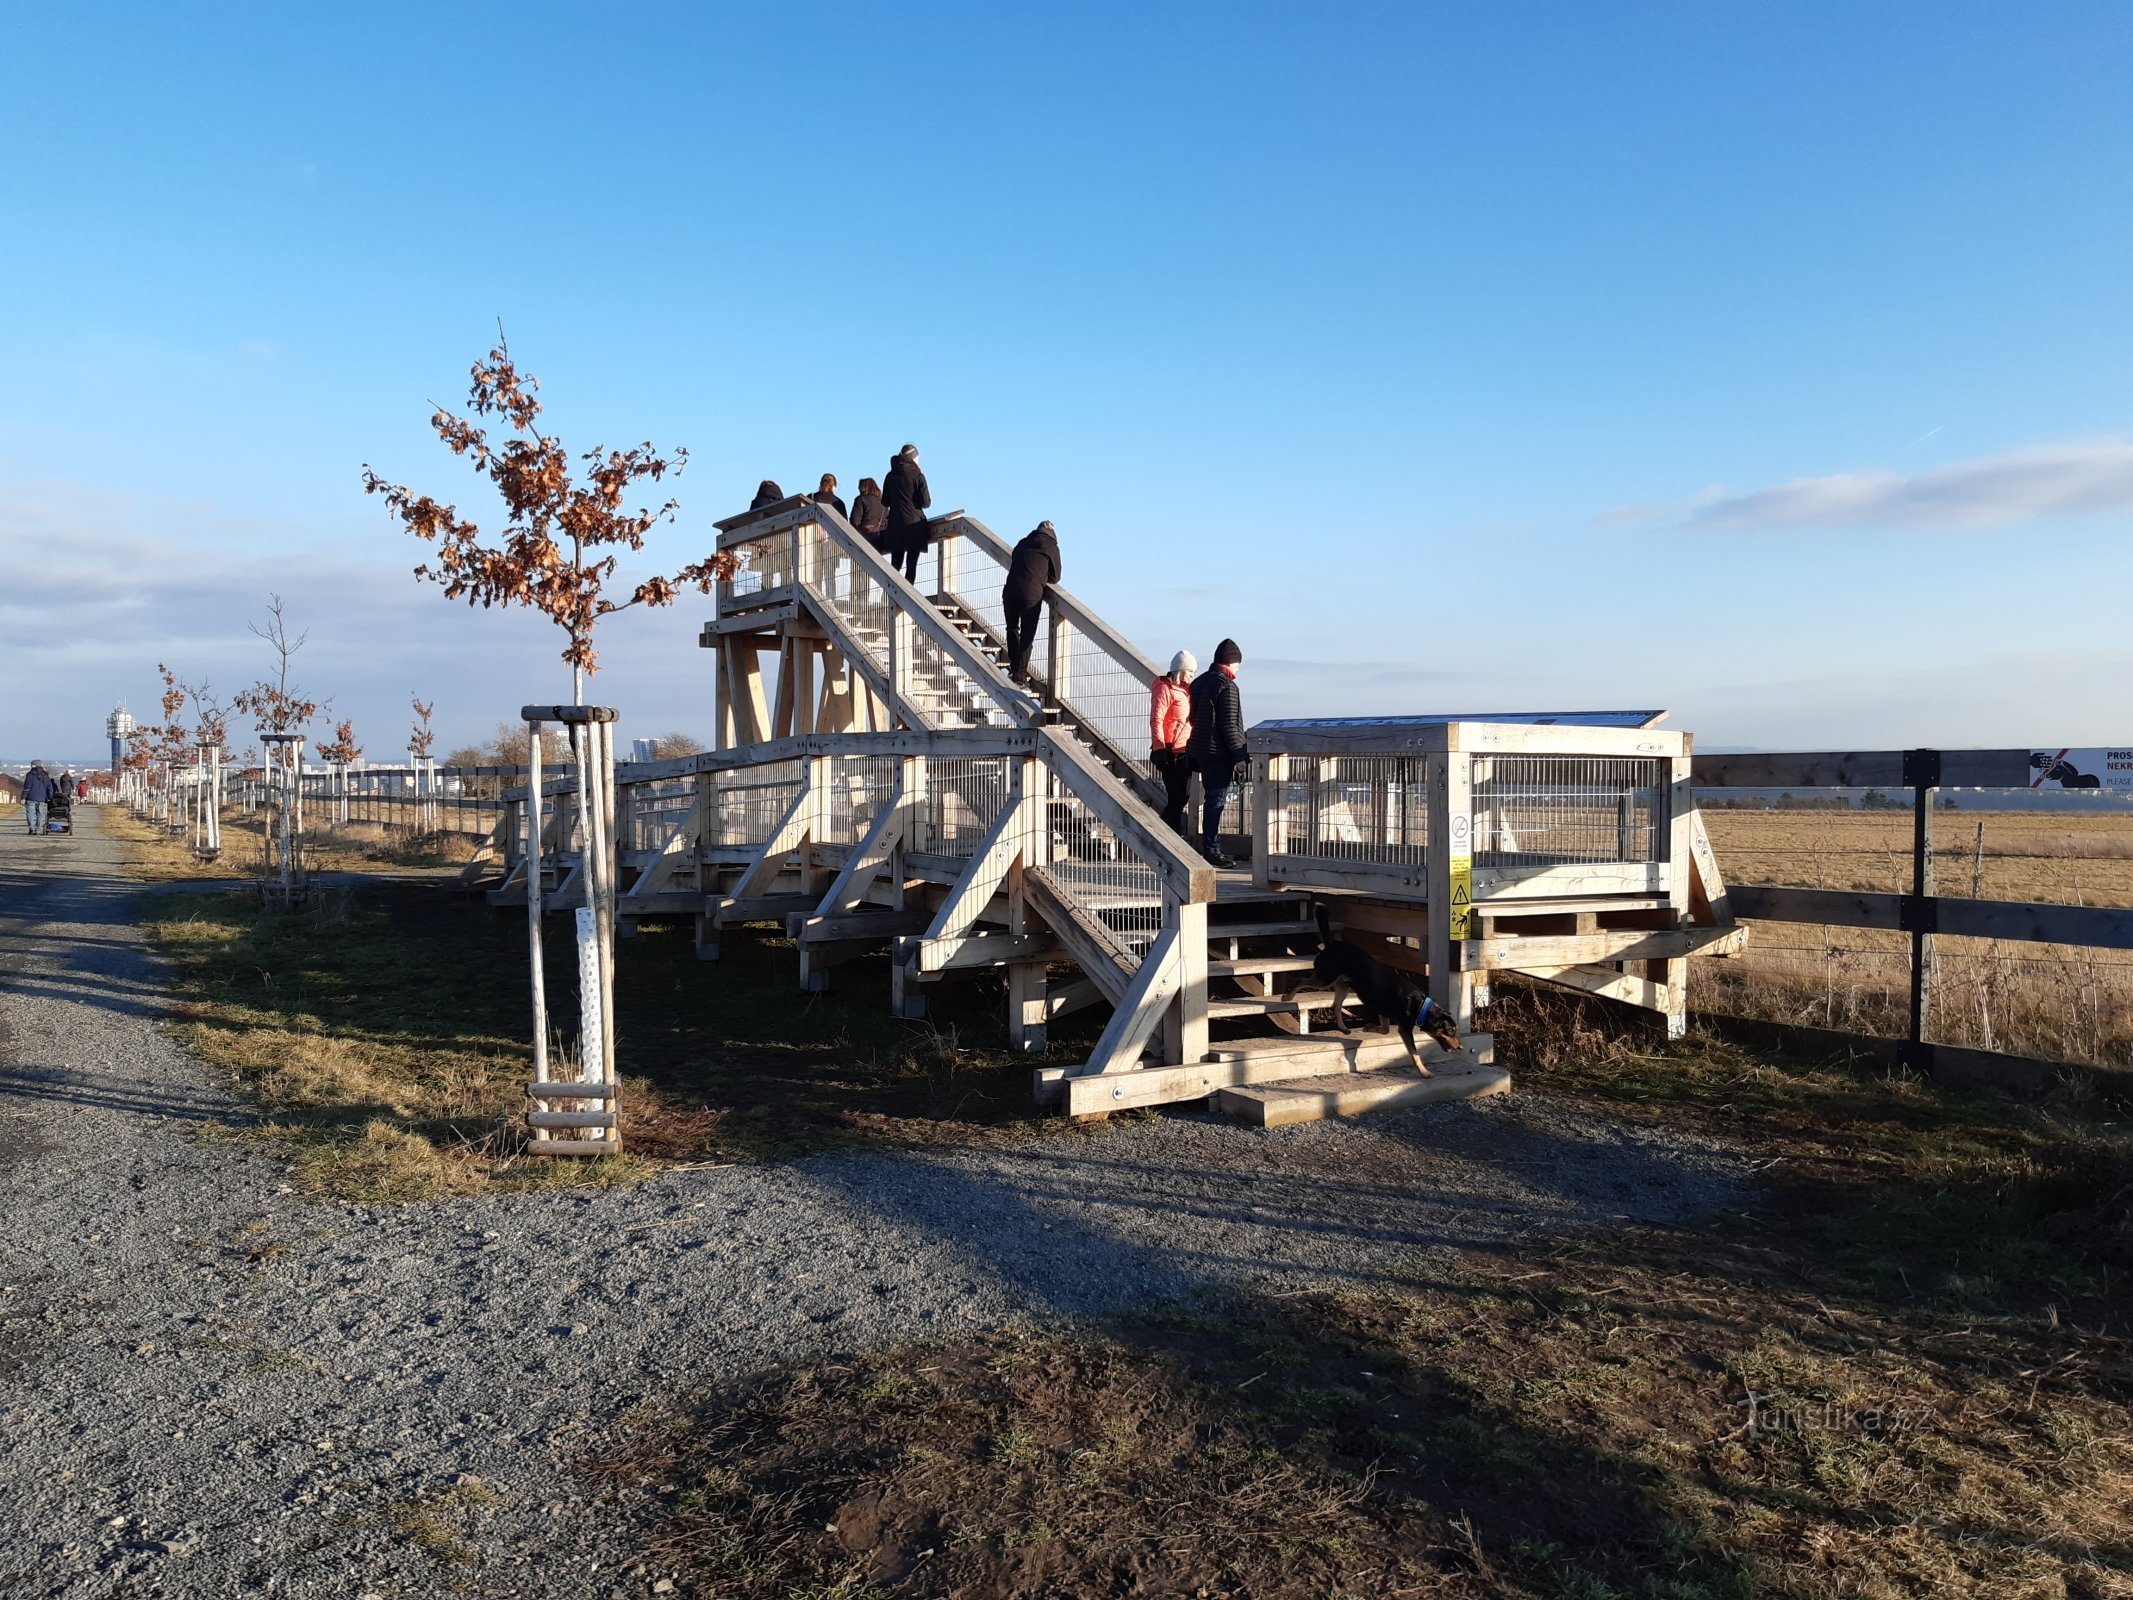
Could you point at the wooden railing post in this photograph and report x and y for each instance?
(1921, 770)
(1450, 861)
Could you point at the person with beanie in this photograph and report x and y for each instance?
(1170, 734)
(1218, 745)
(767, 493)
(1033, 568)
(908, 499)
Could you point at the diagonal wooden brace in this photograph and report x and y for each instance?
(1137, 1016)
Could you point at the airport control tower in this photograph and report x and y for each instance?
(119, 726)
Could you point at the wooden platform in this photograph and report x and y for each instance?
(1350, 1094)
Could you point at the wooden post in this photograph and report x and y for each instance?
(902, 636)
(1025, 980)
(1921, 770)
(1451, 878)
(1185, 1021)
(906, 997)
(1673, 973)
(604, 796)
(945, 545)
(533, 906)
(1058, 640)
(821, 779)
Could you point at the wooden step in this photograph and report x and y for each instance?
(1294, 928)
(1349, 1094)
(1243, 1061)
(570, 1091)
(570, 1119)
(1260, 964)
(1264, 1006)
(571, 1147)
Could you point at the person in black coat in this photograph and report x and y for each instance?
(1218, 745)
(766, 494)
(870, 514)
(1032, 569)
(827, 494)
(908, 500)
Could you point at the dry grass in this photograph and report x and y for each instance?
(2056, 1002)
(156, 854)
(381, 1032)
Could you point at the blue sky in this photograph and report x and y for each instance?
(1770, 364)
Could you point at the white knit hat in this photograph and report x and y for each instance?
(1183, 662)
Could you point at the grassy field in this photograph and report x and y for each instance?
(1899, 1369)
(2053, 1001)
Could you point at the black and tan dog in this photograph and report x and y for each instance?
(1385, 993)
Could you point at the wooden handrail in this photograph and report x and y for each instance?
(1115, 644)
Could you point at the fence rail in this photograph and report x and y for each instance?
(1921, 913)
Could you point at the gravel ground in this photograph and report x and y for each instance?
(212, 1386)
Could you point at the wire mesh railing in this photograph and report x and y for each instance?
(964, 795)
(1372, 808)
(750, 801)
(648, 813)
(858, 788)
(1544, 810)
(1099, 871)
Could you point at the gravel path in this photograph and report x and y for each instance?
(211, 1386)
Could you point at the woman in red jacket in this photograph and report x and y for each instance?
(1170, 728)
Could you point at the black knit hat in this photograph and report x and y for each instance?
(1227, 654)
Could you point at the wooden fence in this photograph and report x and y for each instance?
(1921, 913)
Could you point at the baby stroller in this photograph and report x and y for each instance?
(59, 810)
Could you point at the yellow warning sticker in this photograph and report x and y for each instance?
(1462, 897)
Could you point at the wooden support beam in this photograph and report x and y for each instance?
(790, 833)
(1185, 1023)
(1026, 975)
(1087, 943)
(782, 708)
(1608, 944)
(1140, 1010)
(989, 865)
(881, 926)
(1605, 982)
(1071, 997)
(733, 911)
(984, 950)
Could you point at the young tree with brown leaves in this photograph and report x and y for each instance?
(342, 749)
(561, 539)
(422, 738)
(276, 704)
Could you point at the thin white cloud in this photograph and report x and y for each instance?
(2022, 486)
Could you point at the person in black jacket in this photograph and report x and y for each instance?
(766, 494)
(870, 514)
(1030, 571)
(908, 500)
(827, 494)
(1218, 746)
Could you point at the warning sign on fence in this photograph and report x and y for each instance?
(2081, 769)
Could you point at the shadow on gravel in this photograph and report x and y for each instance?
(1176, 1207)
(1562, 1414)
(32, 1085)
